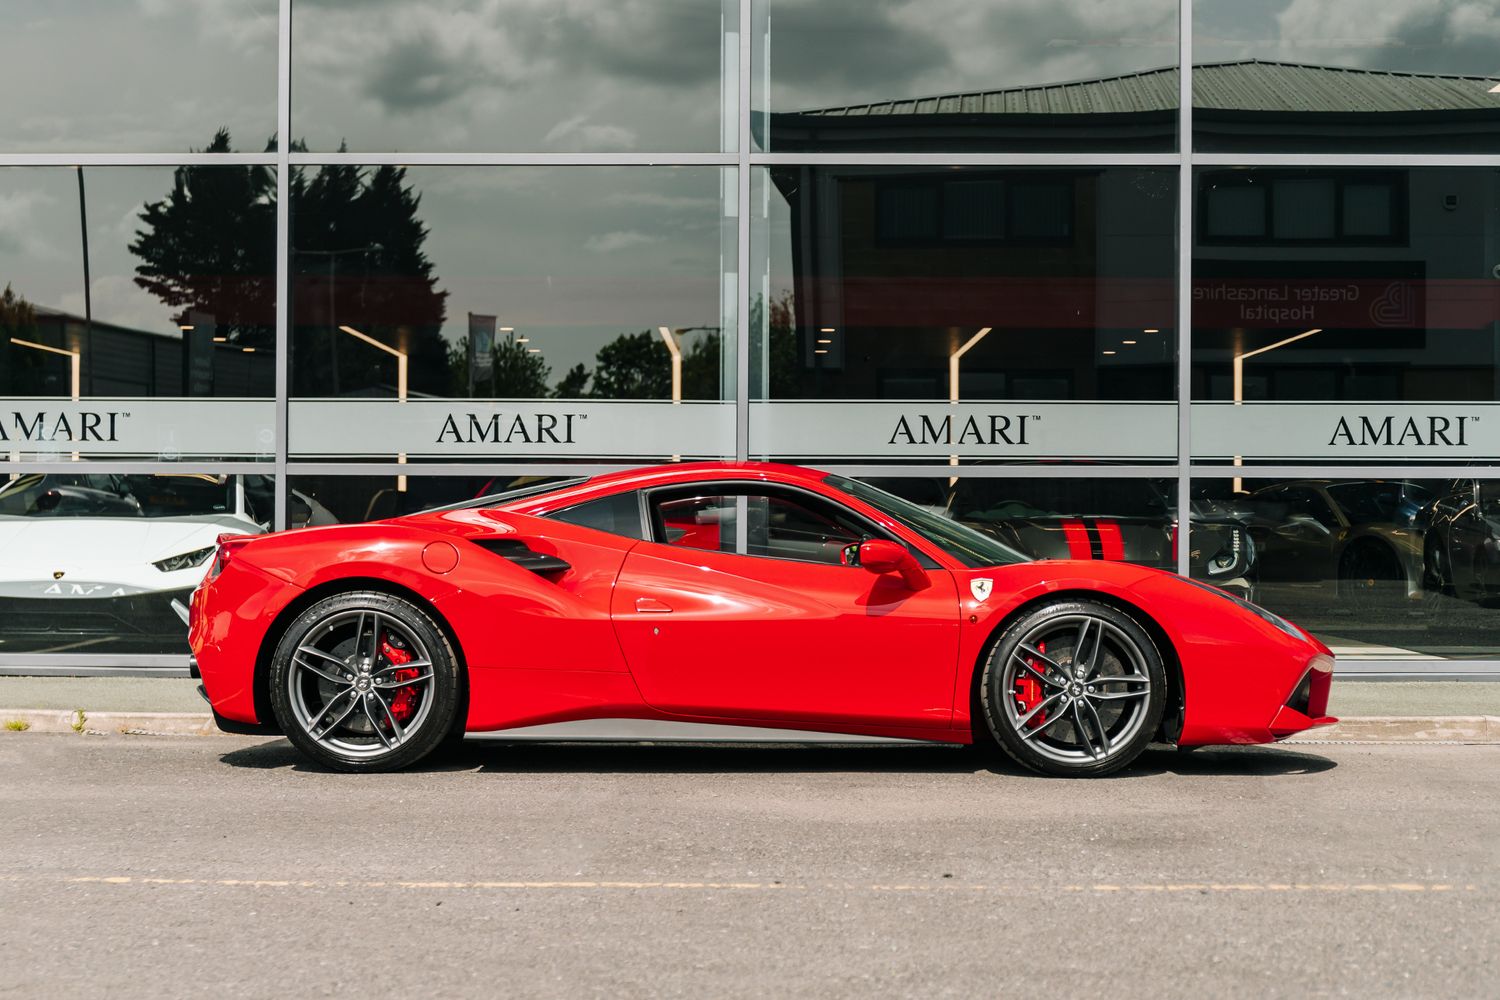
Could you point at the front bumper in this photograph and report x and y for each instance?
(1307, 706)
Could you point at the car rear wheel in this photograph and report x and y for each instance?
(365, 682)
(1075, 689)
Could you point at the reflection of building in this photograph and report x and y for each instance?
(122, 361)
(1251, 104)
(895, 269)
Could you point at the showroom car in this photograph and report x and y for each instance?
(743, 601)
(102, 556)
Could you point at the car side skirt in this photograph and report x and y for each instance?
(665, 731)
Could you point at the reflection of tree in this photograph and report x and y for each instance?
(781, 337)
(639, 366)
(22, 367)
(357, 261)
(516, 374)
(573, 385)
(210, 245)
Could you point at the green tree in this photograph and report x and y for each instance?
(573, 385)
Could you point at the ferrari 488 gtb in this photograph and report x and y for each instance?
(714, 601)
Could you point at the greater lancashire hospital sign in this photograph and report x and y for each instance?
(795, 430)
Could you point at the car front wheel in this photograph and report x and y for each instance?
(1075, 689)
(365, 682)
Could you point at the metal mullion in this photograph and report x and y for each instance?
(742, 243)
(1346, 160)
(997, 159)
(283, 257)
(543, 159)
(41, 663)
(1184, 286)
(126, 468)
(1327, 471)
(137, 159)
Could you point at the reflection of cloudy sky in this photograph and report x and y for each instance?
(530, 75)
(586, 75)
(138, 75)
(1459, 37)
(575, 256)
(41, 256)
(827, 53)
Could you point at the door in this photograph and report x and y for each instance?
(740, 606)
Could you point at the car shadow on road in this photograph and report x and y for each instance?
(495, 757)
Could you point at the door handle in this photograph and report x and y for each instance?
(650, 605)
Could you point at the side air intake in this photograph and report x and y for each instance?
(523, 555)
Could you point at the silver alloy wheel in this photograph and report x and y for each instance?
(343, 687)
(1095, 689)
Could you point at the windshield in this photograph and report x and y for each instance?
(117, 496)
(968, 546)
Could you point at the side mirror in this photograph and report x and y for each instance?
(880, 557)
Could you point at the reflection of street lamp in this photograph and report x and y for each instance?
(400, 357)
(75, 359)
(676, 351)
(1239, 380)
(333, 264)
(953, 360)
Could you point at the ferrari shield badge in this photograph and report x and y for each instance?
(980, 587)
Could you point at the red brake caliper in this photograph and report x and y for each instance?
(1029, 690)
(403, 702)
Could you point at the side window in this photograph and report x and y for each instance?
(774, 525)
(619, 515)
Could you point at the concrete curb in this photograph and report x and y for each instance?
(50, 720)
(1407, 729)
(1361, 729)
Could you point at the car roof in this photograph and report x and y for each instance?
(665, 475)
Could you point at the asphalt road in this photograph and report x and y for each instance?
(141, 866)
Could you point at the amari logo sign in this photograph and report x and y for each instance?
(1394, 432)
(44, 427)
(981, 429)
(509, 428)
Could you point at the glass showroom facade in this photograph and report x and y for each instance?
(1213, 287)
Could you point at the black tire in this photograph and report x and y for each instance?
(328, 649)
(1069, 725)
(1371, 577)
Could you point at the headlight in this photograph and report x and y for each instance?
(187, 560)
(1269, 617)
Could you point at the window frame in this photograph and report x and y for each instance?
(1268, 177)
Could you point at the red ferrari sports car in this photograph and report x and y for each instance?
(741, 601)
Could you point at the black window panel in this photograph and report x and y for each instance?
(619, 515)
